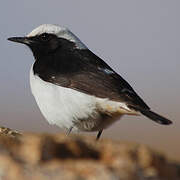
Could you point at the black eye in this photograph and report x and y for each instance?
(44, 37)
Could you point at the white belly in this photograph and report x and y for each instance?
(59, 105)
(65, 107)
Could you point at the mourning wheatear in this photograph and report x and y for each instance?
(74, 88)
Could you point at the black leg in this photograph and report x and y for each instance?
(98, 135)
(69, 131)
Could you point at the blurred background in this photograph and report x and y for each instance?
(139, 39)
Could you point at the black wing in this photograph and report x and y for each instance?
(84, 71)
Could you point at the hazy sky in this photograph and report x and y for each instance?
(139, 39)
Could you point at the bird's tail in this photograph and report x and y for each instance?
(156, 117)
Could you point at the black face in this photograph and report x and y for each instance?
(44, 44)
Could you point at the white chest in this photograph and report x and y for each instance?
(59, 105)
(66, 107)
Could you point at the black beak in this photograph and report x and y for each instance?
(23, 40)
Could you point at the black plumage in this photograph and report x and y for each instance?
(59, 61)
(82, 70)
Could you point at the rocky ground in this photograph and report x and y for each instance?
(58, 157)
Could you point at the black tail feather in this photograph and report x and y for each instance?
(156, 117)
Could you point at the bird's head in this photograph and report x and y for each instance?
(48, 38)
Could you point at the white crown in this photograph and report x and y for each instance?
(58, 31)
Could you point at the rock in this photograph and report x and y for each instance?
(54, 157)
(8, 132)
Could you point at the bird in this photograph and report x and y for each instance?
(74, 88)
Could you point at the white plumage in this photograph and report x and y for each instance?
(66, 107)
(59, 31)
